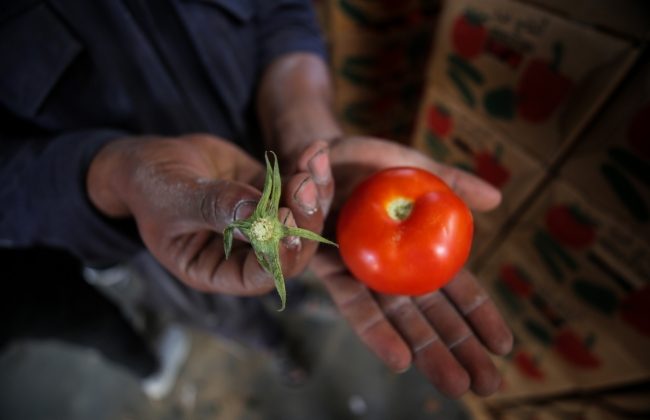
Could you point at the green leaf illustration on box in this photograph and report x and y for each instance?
(464, 77)
(437, 147)
(501, 103)
(631, 163)
(362, 18)
(539, 332)
(463, 89)
(601, 298)
(626, 192)
(553, 255)
(467, 69)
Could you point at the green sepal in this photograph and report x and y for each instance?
(242, 225)
(304, 233)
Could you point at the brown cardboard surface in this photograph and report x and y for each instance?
(575, 287)
(530, 74)
(611, 163)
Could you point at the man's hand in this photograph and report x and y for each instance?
(448, 333)
(183, 192)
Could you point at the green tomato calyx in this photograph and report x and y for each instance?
(265, 231)
(262, 230)
(399, 209)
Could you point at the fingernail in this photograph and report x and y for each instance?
(244, 210)
(291, 242)
(401, 370)
(307, 196)
(319, 167)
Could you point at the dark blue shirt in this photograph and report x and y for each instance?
(76, 74)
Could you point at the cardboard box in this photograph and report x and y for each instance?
(379, 80)
(625, 18)
(450, 133)
(611, 163)
(575, 287)
(534, 76)
(380, 17)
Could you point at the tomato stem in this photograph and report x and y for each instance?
(399, 209)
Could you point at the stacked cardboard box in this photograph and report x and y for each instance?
(519, 85)
(573, 282)
(553, 110)
(379, 53)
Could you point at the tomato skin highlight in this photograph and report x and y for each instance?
(413, 256)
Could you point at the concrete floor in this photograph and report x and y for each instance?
(220, 381)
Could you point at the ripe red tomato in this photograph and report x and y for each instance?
(404, 231)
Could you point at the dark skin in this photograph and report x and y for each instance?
(182, 192)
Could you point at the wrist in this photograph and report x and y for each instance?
(307, 121)
(295, 105)
(105, 179)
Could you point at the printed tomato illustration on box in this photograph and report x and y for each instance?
(542, 87)
(566, 244)
(534, 95)
(439, 120)
(488, 166)
(519, 293)
(469, 34)
(626, 170)
(569, 226)
(439, 125)
(485, 163)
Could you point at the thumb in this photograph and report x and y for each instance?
(217, 203)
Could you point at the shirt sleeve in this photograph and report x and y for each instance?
(287, 26)
(44, 199)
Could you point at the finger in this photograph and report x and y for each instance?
(206, 268)
(430, 354)
(474, 303)
(477, 194)
(209, 204)
(301, 198)
(199, 260)
(460, 340)
(357, 305)
(316, 161)
(376, 153)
